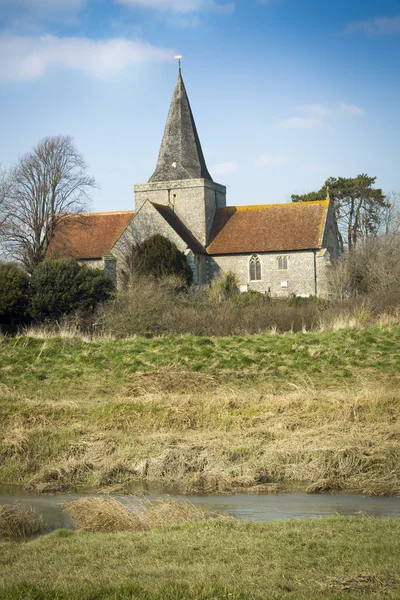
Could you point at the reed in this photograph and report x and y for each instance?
(18, 522)
(103, 515)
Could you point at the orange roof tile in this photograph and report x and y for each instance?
(88, 236)
(268, 228)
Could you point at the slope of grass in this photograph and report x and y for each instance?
(57, 364)
(314, 411)
(333, 558)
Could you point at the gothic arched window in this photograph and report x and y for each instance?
(255, 268)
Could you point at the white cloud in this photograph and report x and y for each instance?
(317, 115)
(181, 6)
(268, 160)
(375, 26)
(351, 109)
(314, 110)
(224, 168)
(300, 123)
(25, 58)
(48, 4)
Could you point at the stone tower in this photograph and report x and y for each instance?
(181, 179)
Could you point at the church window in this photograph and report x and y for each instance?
(255, 268)
(283, 263)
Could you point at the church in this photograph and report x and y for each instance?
(277, 249)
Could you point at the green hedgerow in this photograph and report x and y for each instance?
(59, 287)
(14, 293)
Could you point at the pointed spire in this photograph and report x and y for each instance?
(181, 156)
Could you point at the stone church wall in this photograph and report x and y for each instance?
(148, 222)
(305, 275)
(194, 202)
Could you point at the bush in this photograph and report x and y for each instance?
(371, 269)
(157, 257)
(14, 293)
(152, 308)
(60, 287)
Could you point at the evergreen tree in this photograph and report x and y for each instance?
(158, 257)
(358, 206)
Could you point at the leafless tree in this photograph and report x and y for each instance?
(390, 222)
(46, 185)
(4, 186)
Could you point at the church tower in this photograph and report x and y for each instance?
(181, 179)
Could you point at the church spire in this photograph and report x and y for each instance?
(181, 156)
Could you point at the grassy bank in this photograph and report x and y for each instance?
(313, 411)
(333, 558)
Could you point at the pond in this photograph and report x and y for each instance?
(240, 506)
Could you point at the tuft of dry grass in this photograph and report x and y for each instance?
(103, 515)
(18, 522)
(163, 513)
(100, 515)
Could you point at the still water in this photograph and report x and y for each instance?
(240, 506)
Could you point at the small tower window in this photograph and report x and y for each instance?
(255, 268)
(283, 263)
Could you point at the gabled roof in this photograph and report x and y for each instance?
(179, 228)
(181, 155)
(88, 236)
(268, 228)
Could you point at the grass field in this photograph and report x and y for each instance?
(335, 558)
(317, 411)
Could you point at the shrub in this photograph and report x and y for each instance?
(14, 292)
(151, 308)
(60, 287)
(157, 257)
(372, 268)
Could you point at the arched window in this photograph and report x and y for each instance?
(255, 268)
(283, 263)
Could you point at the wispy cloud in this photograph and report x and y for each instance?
(271, 161)
(182, 6)
(55, 5)
(224, 168)
(314, 110)
(351, 109)
(26, 58)
(317, 114)
(374, 27)
(300, 123)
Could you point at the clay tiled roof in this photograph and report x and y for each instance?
(179, 228)
(88, 236)
(268, 228)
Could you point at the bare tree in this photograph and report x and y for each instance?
(4, 186)
(390, 222)
(46, 185)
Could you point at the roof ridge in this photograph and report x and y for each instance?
(274, 205)
(112, 212)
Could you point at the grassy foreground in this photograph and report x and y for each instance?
(317, 411)
(338, 557)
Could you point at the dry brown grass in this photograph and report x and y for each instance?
(18, 522)
(220, 439)
(100, 515)
(103, 515)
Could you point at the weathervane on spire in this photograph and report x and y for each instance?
(179, 58)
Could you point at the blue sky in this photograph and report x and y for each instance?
(285, 92)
